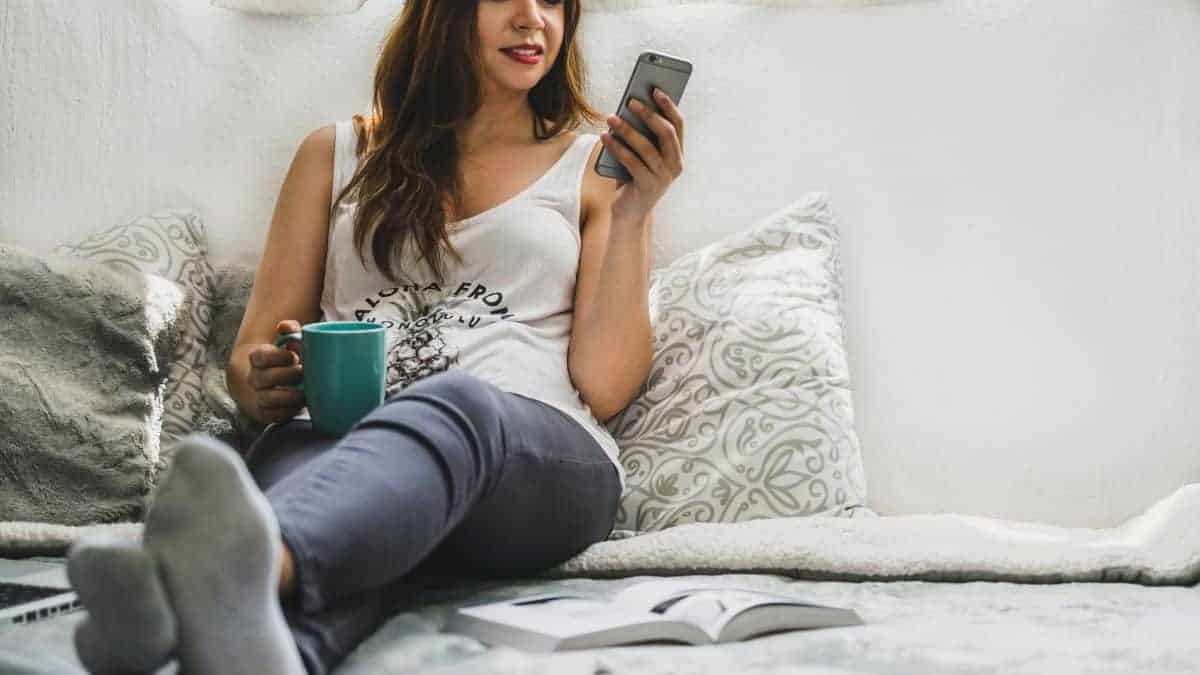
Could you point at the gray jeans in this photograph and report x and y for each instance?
(450, 473)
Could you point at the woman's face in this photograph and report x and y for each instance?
(503, 23)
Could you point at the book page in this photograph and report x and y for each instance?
(645, 596)
(705, 604)
(668, 599)
(581, 608)
(649, 595)
(579, 620)
(573, 613)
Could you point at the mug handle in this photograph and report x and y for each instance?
(281, 341)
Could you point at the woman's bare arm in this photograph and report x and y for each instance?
(291, 274)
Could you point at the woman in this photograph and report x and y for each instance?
(487, 456)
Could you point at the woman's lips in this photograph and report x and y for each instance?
(521, 58)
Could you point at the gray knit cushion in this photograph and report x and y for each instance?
(169, 243)
(84, 350)
(231, 293)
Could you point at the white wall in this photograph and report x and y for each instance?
(1016, 183)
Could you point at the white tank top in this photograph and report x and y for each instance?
(504, 314)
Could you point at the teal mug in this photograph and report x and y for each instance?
(345, 369)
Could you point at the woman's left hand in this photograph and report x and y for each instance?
(653, 168)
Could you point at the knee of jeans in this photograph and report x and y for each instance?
(475, 398)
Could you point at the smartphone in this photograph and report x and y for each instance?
(653, 70)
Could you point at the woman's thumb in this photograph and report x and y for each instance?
(290, 326)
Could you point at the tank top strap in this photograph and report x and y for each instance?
(345, 162)
(345, 159)
(569, 181)
(579, 153)
(585, 143)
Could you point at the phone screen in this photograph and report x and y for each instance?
(653, 70)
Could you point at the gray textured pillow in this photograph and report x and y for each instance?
(747, 412)
(169, 243)
(83, 368)
(230, 297)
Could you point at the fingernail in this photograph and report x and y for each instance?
(635, 104)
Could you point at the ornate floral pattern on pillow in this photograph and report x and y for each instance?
(747, 412)
(170, 243)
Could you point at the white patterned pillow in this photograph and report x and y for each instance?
(747, 412)
(170, 243)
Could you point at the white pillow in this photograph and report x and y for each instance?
(747, 412)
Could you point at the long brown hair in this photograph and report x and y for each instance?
(426, 85)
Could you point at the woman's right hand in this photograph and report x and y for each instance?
(272, 366)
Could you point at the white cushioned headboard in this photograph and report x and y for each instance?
(1015, 183)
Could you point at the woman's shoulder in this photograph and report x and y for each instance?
(321, 136)
(318, 145)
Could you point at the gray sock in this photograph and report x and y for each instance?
(217, 544)
(130, 626)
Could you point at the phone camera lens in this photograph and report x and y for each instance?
(653, 59)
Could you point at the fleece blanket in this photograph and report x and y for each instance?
(1158, 547)
(985, 625)
(910, 628)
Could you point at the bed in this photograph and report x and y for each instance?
(941, 594)
(921, 119)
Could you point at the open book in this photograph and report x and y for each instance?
(663, 610)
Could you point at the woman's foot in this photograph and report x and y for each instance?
(130, 626)
(217, 545)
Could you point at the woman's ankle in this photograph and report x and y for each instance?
(287, 574)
